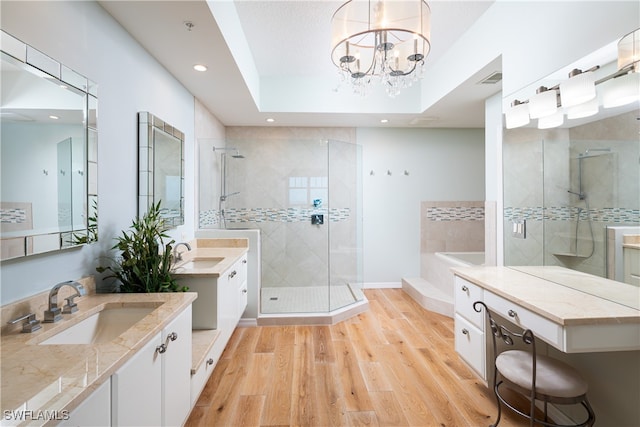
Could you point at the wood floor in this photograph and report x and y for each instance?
(394, 365)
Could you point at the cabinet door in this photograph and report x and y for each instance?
(95, 410)
(136, 389)
(176, 370)
(470, 345)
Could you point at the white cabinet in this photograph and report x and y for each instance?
(225, 309)
(153, 387)
(469, 326)
(136, 389)
(631, 262)
(176, 370)
(95, 410)
(221, 300)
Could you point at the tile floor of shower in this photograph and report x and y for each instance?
(308, 299)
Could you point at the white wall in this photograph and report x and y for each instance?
(443, 164)
(84, 37)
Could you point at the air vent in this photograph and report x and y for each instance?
(416, 121)
(492, 79)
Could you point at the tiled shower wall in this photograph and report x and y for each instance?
(450, 227)
(283, 171)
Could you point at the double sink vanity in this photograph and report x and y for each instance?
(125, 359)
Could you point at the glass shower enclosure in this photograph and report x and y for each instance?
(305, 197)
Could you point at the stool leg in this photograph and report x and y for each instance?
(495, 390)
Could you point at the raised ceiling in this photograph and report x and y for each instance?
(271, 59)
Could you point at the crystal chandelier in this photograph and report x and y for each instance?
(383, 41)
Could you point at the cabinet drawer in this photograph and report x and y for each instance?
(470, 345)
(202, 374)
(465, 294)
(520, 316)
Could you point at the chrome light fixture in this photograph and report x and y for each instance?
(581, 95)
(383, 41)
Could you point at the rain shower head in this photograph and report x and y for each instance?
(237, 154)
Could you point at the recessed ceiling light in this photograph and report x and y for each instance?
(54, 117)
(384, 121)
(270, 120)
(200, 67)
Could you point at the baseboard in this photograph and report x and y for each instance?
(247, 323)
(381, 285)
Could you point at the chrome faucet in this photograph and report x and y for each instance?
(54, 313)
(177, 256)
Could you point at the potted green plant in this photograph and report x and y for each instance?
(145, 260)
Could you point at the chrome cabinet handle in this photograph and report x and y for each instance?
(512, 313)
(162, 348)
(464, 288)
(244, 261)
(209, 361)
(232, 274)
(244, 291)
(465, 331)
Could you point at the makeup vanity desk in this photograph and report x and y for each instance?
(572, 311)
(591, 323)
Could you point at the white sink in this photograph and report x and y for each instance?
(104, 326)
(198, 263)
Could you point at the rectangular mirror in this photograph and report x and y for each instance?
(574, 186)
(161, 168)
(49, 154)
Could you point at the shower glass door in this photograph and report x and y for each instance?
(304, 196)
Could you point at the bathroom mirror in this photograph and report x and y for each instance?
(161, 168)
(49, 154)
(572, 192)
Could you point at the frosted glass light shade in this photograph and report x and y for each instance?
(517, 116)
(578, 89)
(543, 104)
(552, 121)
(629, 49)
(585, 109)
(620, 91)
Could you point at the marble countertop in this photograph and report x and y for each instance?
(561, 304)
(631, 241)
(59, 377)
(227, 250)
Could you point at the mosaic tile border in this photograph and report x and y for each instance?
(13, 216)
(455, 213)
(259, 215)
(571, 213)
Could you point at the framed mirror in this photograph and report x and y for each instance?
(572, 191)
(161, 168)
(49, 142)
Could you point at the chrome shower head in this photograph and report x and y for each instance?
(237, 155)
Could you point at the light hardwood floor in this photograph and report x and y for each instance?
(394, 365)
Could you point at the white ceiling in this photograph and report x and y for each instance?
(273, 41)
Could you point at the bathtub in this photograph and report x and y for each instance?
(436, 268)
(461, 259)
